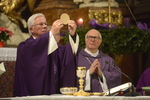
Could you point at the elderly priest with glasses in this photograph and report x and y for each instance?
(101, 74)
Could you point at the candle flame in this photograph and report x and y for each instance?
(80, 19)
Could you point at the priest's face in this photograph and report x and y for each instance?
(93, 40)
(39, 27)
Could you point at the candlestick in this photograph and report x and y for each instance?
(109, 11)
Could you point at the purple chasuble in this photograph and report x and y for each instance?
(144, 81)
(38, 73)
(113, 77)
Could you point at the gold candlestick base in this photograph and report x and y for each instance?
(81, 93)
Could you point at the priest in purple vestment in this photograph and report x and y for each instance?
(144, 81)
(43, 66)
(101, 72)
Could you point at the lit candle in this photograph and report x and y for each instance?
(80, 22)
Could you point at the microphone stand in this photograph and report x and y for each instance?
(109, 92)
(131, 92)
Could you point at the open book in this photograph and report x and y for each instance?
(119, 88)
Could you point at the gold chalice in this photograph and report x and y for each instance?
(81, 72)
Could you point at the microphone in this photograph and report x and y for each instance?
(132, 92)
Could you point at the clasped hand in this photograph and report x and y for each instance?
(58, 24)
(95, 68)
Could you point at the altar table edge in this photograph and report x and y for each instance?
(70, 97)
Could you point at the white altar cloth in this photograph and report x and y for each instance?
(70, 97)
(8, 54)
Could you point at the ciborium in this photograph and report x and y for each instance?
(81, 72)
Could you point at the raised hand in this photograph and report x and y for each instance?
(72, 27)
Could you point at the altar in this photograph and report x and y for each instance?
(8, 56)
(70, 97)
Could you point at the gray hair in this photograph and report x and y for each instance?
(32, 19)
(95, 30)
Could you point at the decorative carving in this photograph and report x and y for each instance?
(13, 8)
(96, 3)
(102, 16)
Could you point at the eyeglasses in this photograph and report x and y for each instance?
(93, 37)
(40, 24)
